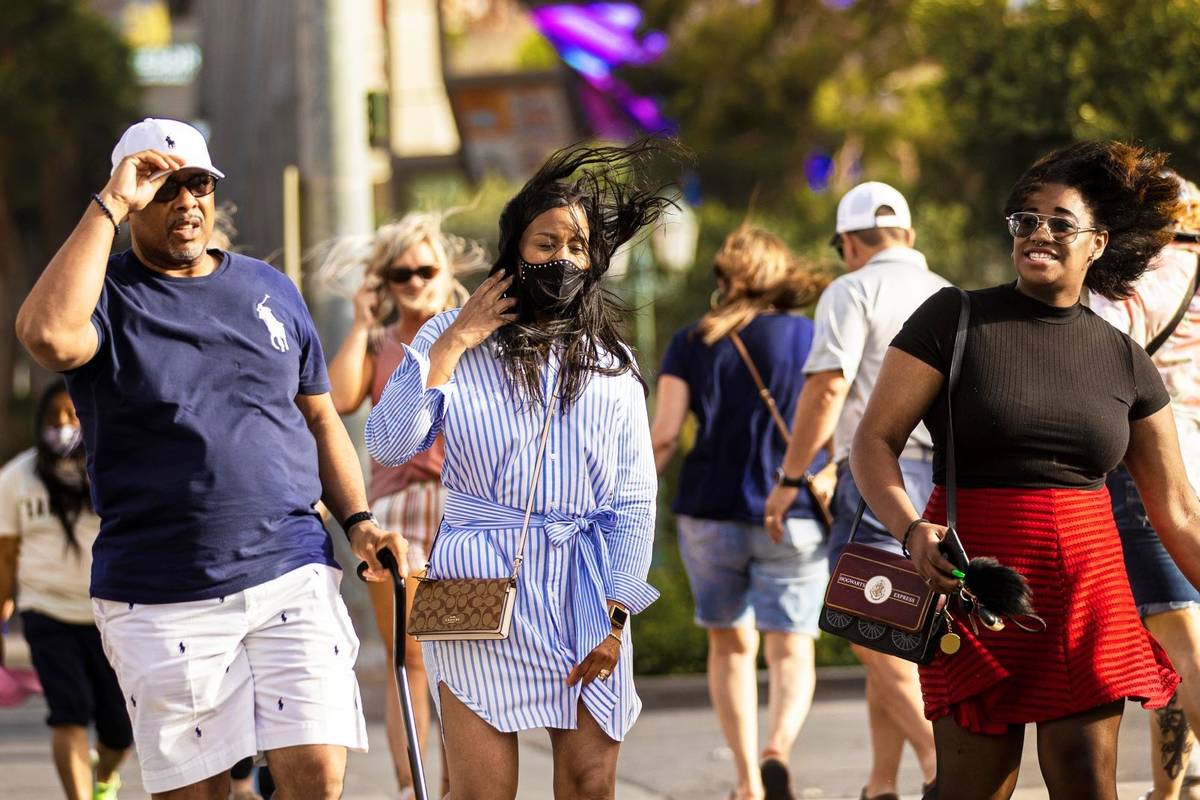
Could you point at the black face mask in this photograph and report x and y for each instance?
(549, 287)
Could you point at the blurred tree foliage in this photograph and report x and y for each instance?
(67, 91)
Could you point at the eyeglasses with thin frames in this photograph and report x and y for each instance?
(1024, 224)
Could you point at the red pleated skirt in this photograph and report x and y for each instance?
(1094, 649)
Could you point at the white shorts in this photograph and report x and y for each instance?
(210, 682)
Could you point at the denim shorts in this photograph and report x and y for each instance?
(918, 483)
(1157, 584)
(741, 578)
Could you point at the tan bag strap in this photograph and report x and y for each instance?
(551, 404)
(763, 391)
(818, 505)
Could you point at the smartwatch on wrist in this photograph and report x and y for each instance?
(618, 617)
(782, 479)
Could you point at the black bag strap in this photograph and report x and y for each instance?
(960, 345)
(1165, 333)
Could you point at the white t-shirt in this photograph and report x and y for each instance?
(857, 317)
(52, 577)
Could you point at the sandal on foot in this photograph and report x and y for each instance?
(884, 796)
(777, 783)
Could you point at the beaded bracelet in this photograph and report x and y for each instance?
(908, 532)
(107, 212)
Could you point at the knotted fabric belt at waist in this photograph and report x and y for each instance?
(588, 572)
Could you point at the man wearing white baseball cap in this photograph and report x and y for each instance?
(202, 392)
(856, 319)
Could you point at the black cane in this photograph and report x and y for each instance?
(399, 639)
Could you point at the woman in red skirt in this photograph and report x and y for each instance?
(1050, 399)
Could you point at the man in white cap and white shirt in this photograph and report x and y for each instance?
(210, 434)
(856, 319)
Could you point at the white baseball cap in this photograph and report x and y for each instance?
(169, 136)
(858, 208)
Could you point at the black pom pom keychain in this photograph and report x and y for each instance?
(991, 590)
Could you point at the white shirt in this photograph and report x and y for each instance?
(856, 319)
(52, 577)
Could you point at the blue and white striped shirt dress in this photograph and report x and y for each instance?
(590, 535)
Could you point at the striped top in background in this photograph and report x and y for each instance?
(590, 540)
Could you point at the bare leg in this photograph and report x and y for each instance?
(791, 679)
(382, 603)
(733, 687)
(483, 760)
(214, 788)
(69, 744)
(972, 766)
(1078, 754)
(897, 692)
(585, 761)
(887, 744)
(308, 771)
(1171, 738)
(109, 762)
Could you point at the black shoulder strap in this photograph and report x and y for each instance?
(1165, 333)
(960, 344)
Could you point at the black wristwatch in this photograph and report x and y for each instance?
(618, 617)
(782, 479)
(352, 520)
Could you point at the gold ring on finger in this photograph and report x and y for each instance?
(604, 674)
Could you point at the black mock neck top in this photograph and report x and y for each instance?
(1046, 394)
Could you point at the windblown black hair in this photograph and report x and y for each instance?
(1129, 195)
(615, 188)
(66, 502)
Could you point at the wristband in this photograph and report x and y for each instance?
(352, 520)
(908, 532)
(107, 212)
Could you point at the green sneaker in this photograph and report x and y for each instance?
(106, 791)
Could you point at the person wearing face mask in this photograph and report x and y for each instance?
(211, 437)
(532, 377)
(409, 276)
(46, 516)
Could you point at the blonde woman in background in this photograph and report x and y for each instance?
(745, 581)
(409, 277)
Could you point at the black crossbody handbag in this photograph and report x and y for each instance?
(876, 598)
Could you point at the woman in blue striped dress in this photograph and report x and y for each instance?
(539, 333)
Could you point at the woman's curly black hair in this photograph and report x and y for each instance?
(1129, 194)
(616, 190)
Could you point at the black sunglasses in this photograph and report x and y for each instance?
(405, 274)
(200, 184)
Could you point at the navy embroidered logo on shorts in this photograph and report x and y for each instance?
(283, 616)
(182, 649)
(281, 704)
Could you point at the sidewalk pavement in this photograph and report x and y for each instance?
(675, 752)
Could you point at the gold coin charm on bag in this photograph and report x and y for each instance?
(950, 642)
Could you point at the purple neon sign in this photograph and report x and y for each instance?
(596, 38)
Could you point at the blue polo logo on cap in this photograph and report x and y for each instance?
(170, 142)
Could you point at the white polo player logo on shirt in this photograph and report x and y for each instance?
(274, 326)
